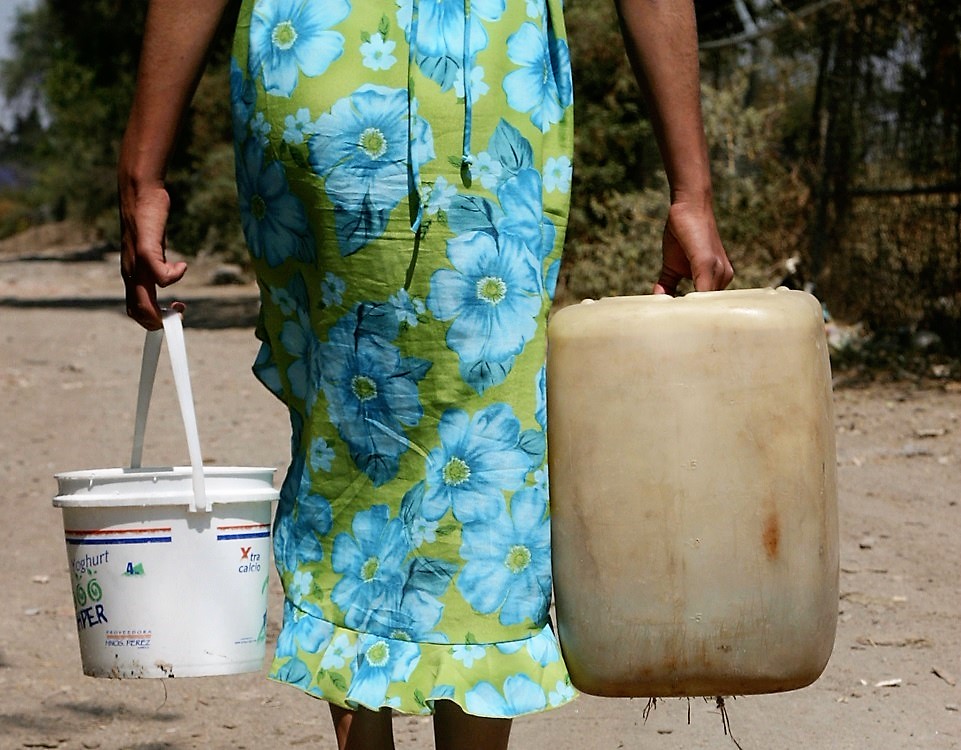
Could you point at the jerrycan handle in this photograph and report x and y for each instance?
(173, 329)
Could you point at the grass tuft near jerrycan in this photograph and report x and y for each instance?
(693, 493)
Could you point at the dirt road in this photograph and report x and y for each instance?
(68, 364)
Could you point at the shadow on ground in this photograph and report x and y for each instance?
(202, 312)
(72, 717)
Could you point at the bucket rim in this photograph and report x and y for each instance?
(166, 500)
(121, 487)
(119, 472)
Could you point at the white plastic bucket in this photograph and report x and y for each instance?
(169, 566)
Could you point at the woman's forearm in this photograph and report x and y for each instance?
(176, 38)
(661, 41)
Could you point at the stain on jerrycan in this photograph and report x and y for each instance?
(693, 493)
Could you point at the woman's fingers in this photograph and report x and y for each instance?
(143, 261)
(693, 250)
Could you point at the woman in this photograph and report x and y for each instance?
(403, 172)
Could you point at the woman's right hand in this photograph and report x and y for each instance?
(144, 209)
(176, 37)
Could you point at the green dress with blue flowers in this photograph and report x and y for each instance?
(404, 172)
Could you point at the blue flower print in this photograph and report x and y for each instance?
(419, 529)
(405, 11)
(371, 389)
(372, 563)
(477, 461)
(510, 149)
(378, 53)
(406, 308)
(298, 127)
(442, 692)
(550, 278)
(533, 8)
(440, 37)
(477, 85)
(543, 650)
(243, 94)
(273, 218)
(423, 531)
(521, 696)
(526, 219)
(332, 289)
(260, 128)
(557, 174)
(294, 672)
(290, 298)
(293, 479)
(266, 371)
(299, 340)
(540, 86)
(294, 546)
(341, 651)
(302, 584)
(562, 693)
(321, 455)
(542, 646)
(439, 196)
(493, 298)
(380, 662)
(283, 301)
(422, 137)
(289, 37)
(301, 631)
(297, 539)
(468, 653)
(441, 26)
(486, 169)
(315, 511)
(509, 561)
(361, 149)
(510, 647)
(540, 391)
(415, 620)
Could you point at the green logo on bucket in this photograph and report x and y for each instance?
(91, 592)
(134, 570)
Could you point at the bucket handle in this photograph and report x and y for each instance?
(173, 329)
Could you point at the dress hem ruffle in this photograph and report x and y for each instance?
(352, 669)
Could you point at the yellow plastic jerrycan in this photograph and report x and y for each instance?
(693, 493)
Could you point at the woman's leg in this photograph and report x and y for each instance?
(456, 730)
(362, 729)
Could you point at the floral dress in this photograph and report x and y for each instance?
(404, 171)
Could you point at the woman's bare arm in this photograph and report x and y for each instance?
(176, 39)
(661, 41)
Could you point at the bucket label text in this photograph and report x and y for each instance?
(133, 569)
(249, 561)
(87, 591)
(139, 639)
(89, 563)
(88, 617)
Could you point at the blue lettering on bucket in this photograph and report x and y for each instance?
(250, 561)
(89, 617)
(86, 563)
(133, 570)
